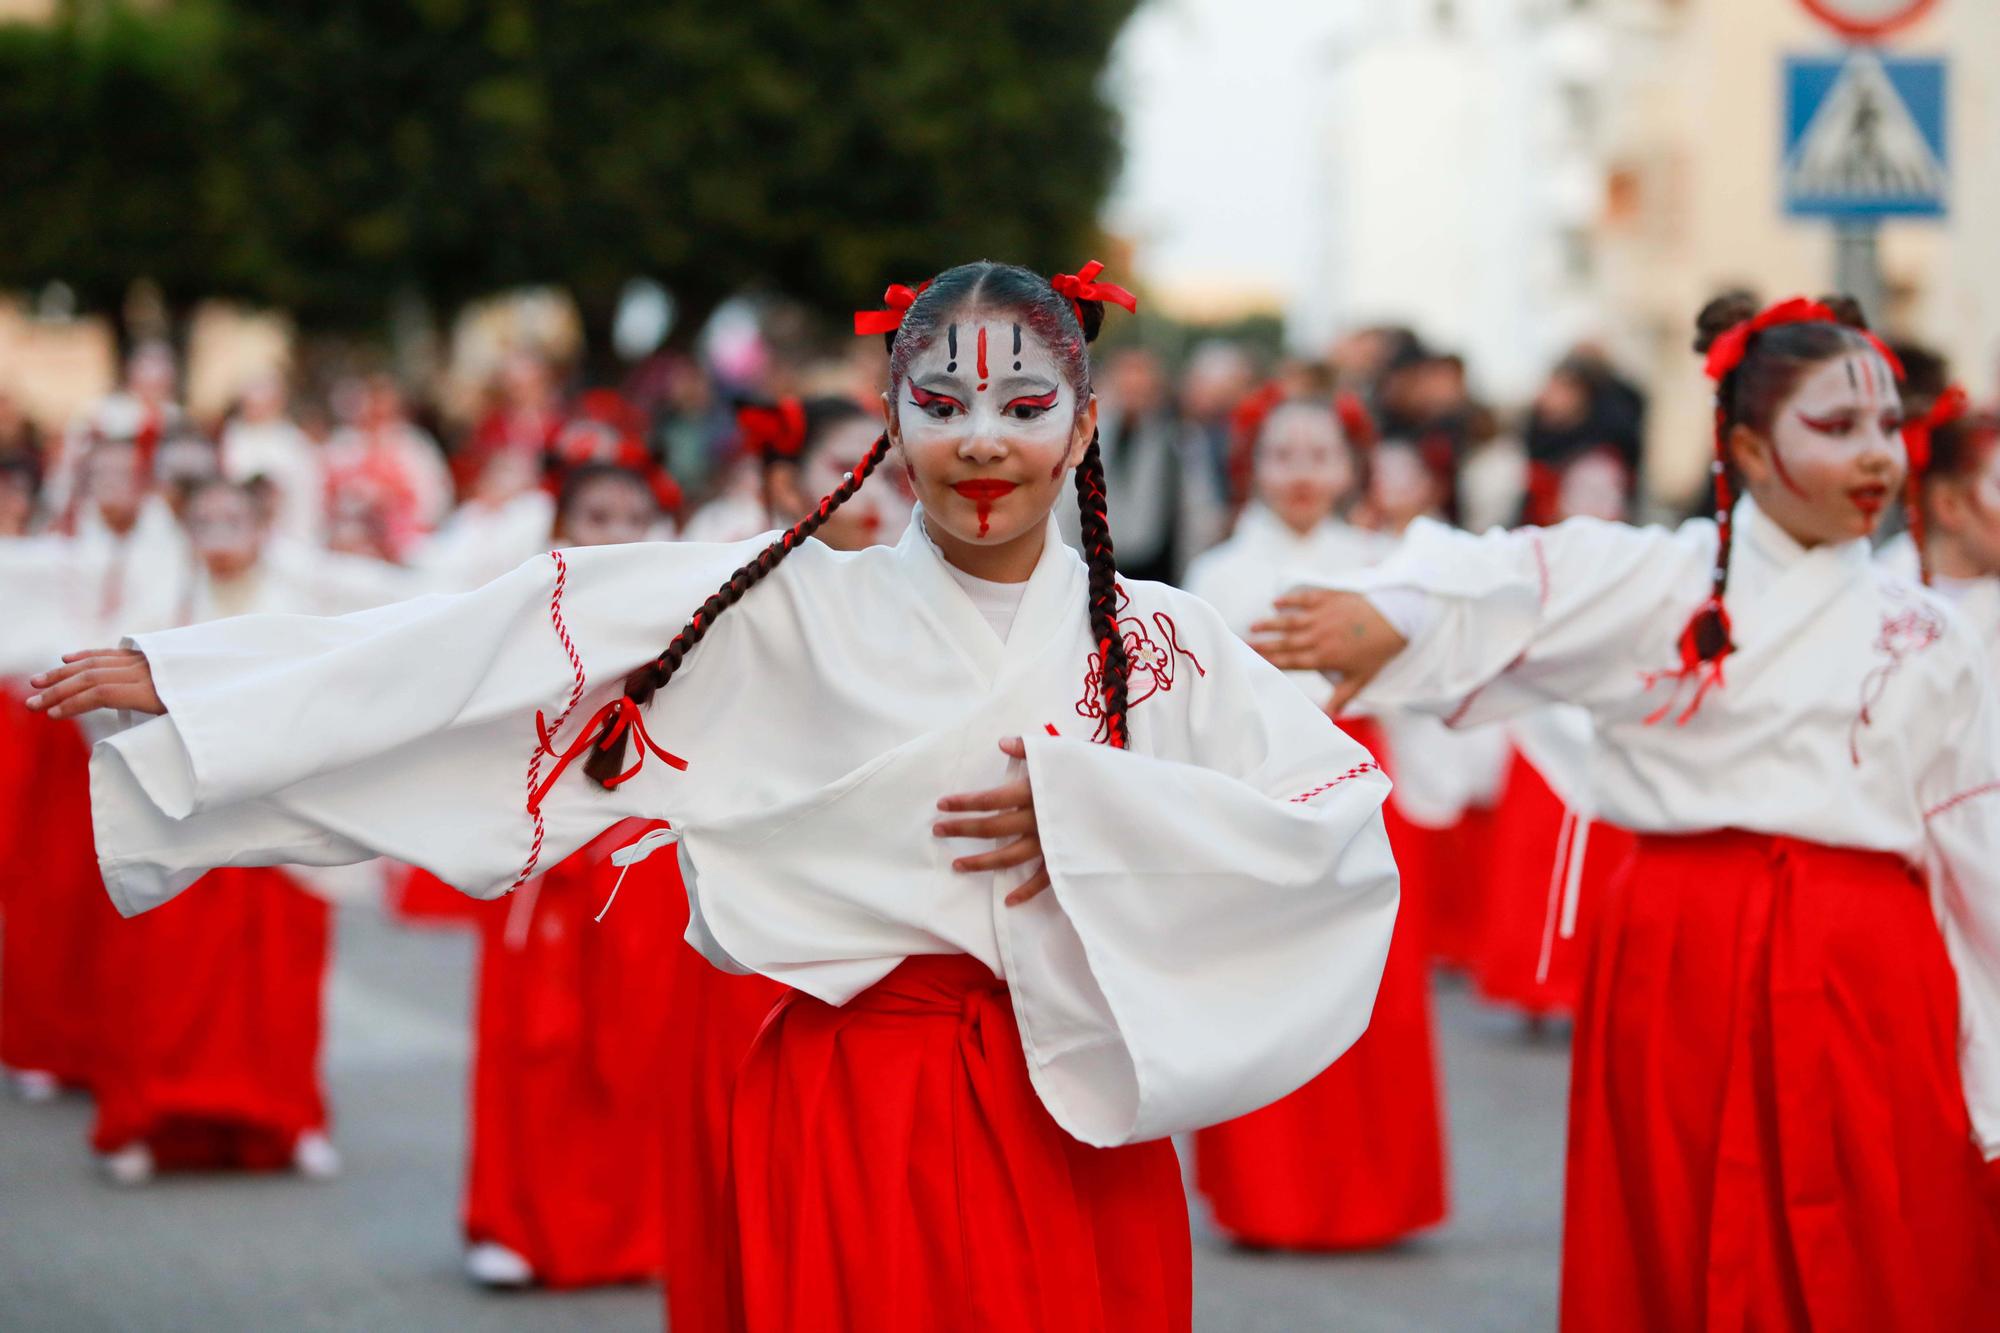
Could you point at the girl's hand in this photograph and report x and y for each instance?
(97, 678)
(1011, 815)
(1319, 629)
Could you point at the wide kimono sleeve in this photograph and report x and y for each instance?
(411, 731)
(1219, 919)
(1518, 619)
(1960, 796)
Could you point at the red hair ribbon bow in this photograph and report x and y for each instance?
(898, 300)
(1726, 352)
(1082, 286)
(613, 720)
(1950, 406)
(778, 431)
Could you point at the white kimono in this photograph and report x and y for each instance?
(59, 592)
(1223, 892)
(1977, 601)
(1855, 711)
(1439, 771)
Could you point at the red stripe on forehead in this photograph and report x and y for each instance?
(982, 351)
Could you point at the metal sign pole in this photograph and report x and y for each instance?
(1857, 265)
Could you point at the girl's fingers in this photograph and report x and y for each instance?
(1344, 691)
(1014, 747)
(1013, 796)
(1018, 852)
(1035, 884)
(73, 683)
(1006, 825)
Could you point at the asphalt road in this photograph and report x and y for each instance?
(377, 1249)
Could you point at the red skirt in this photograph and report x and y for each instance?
(1356, 1157)
(1451, 867)
(1767, 1128)
(570, 1080)
(211, 1024)
(1523, 960)
(716, 1017)
(57, 914)
(894, 1170)
(419, 898)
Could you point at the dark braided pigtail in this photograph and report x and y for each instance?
(607, 760)
(1114, 667)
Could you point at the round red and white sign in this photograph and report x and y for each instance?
(1868, 20)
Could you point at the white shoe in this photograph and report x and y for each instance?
(315, 1157)
(36, 1085)
(129, 1166)
(493, 1265)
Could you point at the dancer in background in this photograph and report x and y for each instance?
(209, 1009)
(959, 794)
(572, 1073)
(1787, 1066)
(1356, 1157)
(1550, 858)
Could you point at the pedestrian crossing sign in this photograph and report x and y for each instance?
(1864, 136)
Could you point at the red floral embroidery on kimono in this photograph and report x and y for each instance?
(1904, 633)
(1153, 664)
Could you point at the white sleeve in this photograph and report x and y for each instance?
(1517, 619)
(1217, 928)
(409, 731)
(1961, 802)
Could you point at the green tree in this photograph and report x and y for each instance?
(332, 156)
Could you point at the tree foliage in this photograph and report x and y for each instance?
(329, 155)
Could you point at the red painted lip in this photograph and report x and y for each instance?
(985, 488)
(1869, 499)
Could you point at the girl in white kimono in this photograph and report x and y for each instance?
(1056, 866)
(1355, 1157)
(1953, 503)
(1787, 1064)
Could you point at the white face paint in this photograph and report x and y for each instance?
(1302, 465)
(988, 425)
(876, 513)
(1836, 451)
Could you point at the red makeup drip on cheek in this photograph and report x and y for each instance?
(1778, 462)
(982, 359)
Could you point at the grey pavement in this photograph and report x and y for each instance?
(377, 1249)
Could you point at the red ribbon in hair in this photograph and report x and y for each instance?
(618, 718)
(1952, 404)
(1082, 286)
(1726, 352)
(777, 431)
(897, 300)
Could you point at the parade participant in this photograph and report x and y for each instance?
(386, 455)
(1952, 502)
(806, 447)
(262, 441)
(118, 561)
(209, 1009)
(1356, 1157)
(571, 1074)
(1786, 1066)
(1549, 858)
(1052, 881)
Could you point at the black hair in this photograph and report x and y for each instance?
(1067, 327)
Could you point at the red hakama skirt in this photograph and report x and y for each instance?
(894, 1170)
(211, 1024)
(570, 1080)
(57, 916)
(1523, 959)
(419, 898)
(716, 1017)
(1767, 1128)
(1356, 1157)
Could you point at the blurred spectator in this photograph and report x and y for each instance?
(20, 485)
(1166, 505)
(392, 464)
(261, 441)
(1583, 407)
(525, 414)
(19, 436)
